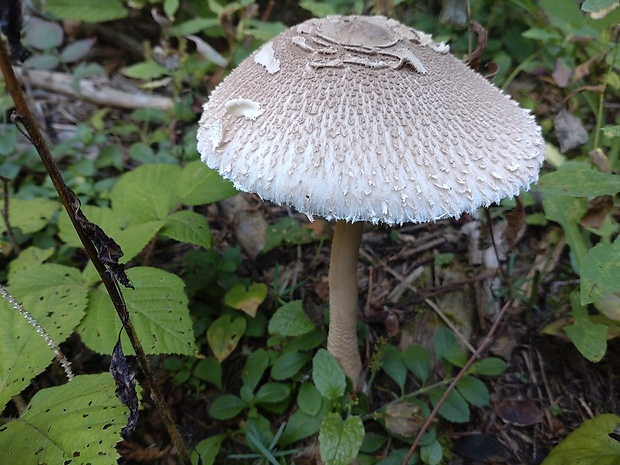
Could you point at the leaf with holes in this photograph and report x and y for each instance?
(599, 272)
(30, 215)
(224, 334)
(55, 297)
(158, 310)
(79, 422)
(246, 299)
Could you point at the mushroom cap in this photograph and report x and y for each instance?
(361, 118)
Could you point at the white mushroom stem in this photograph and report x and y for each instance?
(342, 336)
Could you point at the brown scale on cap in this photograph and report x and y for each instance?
(361, 118)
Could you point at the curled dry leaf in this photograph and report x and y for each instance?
(569, 130)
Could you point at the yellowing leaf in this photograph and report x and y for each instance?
(246, 299)
(224, 334)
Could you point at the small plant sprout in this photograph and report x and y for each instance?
(361, 118)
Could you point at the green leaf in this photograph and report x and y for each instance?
(290, 320)
(44, 35)
(300, 425)
(579, 180)
(255, 367)
(145, 70)
(189, 227)
(567, 211)
(226, 407)
(416, 359)
(271, 393)
(56, 298)
(193, 26)
(30, 215)
(309, 399)
(209, 369)
(431, 454)
(613, 131)
(206, 450)
(592, 6)
(198, 184)
(340, 440)
(82, 418)
(454, 408)
(473, 390)
(392, 364)
(318, 9)
(589, 338)
(246, 299)
(447, 348)
(224, 334)
(147, 193)
(599, 272)
(77, 50)
(490, 366)
(92, 11)
(589, 444)
(327, 375)
(288, 365)
(158, 308)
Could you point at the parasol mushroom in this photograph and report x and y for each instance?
(361, 118)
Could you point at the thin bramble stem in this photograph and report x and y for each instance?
(66, 364)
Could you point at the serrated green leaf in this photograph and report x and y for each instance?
(447, 348)
(416, 359)
(30, 215)
(589, 444)
(224, 334)
(246, 299)
(309, 399)
(147, 193)
(589, 338)
(290, 320)
(206, 450)
(82, 418)
(288, 365)
(392, 364)
(600, 269)
(189, 227)
(473, 391)
(27, 259)
(254, 368)
(327, 375)
(198, 185)
(92, 11)
(145, 70)
(271, 393)
(579, 180)
(158, 308)
(56, 298)
(454, 408)
(490, 366)
(226, 407)
(340, 440)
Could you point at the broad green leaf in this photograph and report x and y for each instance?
(206, 450)
(246, 299)
(473, 390)
(340, 440)
(28, 258)
(288, 365)
(145, 70)
(593, 6)
(290, 320)
(579, 180)
(209, 369)
(147, 193)
(44, 35)
(92, 11)
(81, 419)
(30, 215)
(454, 408)
(301, 425)
(226, 407)
(309, 399)
(613, 131)
(490, 366)
(327, 375)
(392, 364)
(224, 334)
(158, 308)
(600, 270)
(431, 454)
(189, 227)
(589, 444)
(416, 359)
(255, 367)
(198, 184)
(77, 50)
(447, 348)
(271, 393)
(589, 338)
(567, 211)
(43, 61)
(56, 298)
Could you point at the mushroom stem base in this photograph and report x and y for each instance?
(342, 335)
